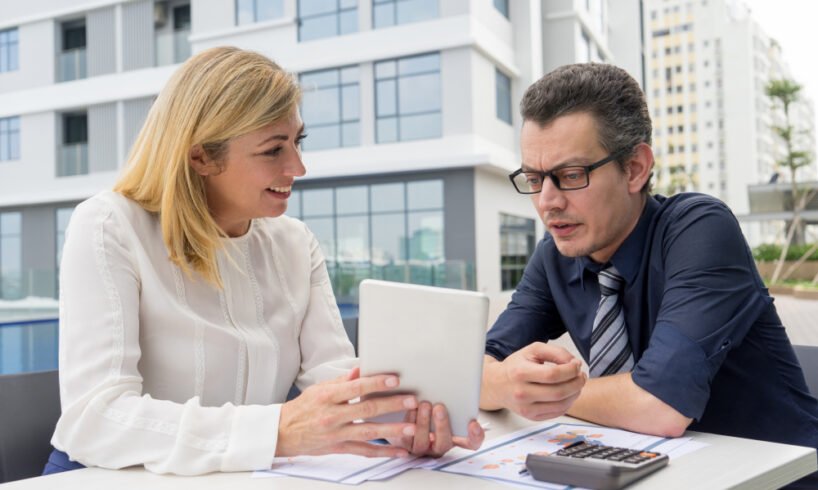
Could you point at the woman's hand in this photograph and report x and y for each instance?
(437, 443)
(321, 419)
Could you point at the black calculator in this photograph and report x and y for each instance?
(595, 466)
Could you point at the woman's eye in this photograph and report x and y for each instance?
(273, 152)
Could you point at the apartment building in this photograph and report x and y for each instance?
(410, 107)
(708, 67)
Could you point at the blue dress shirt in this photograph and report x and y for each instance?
(704, 331)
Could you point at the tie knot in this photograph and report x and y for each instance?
(610, 282)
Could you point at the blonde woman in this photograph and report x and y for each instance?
(190, 304)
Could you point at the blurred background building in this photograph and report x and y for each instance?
(709, 64)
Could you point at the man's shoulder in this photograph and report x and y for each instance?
(691, 206)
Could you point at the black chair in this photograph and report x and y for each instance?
(29, 409)
(808, 358)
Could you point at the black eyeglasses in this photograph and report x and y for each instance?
(568, 178)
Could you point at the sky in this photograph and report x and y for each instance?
(792, 24)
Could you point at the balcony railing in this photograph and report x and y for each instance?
(172, 48)
(72, 160)
(71, 65)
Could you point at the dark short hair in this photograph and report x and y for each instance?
(607, 92)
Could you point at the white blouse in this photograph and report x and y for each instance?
(161, 368)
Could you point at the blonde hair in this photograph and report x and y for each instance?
(214, 96)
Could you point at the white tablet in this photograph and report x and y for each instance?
(432, 338)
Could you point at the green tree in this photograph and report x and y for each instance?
(784, 93)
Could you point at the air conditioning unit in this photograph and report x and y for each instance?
(160, 14)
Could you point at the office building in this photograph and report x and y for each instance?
(709, 62)
(410, 106)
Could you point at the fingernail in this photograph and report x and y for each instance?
(409, 430)
(476, 430)
(403, 454)
(410, 402)
(440, 414)
(391, 382)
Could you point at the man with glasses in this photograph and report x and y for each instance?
(660, 295)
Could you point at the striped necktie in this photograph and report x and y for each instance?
(610, 350)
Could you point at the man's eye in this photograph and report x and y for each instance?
(571, 175)
(533, 179)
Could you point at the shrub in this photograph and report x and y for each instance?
(768, 252)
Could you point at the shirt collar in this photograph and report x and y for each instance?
(627, 257)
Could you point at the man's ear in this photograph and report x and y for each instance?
(201, 163)
(639, 167)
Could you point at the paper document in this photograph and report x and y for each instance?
(338, 468)
(502, 459)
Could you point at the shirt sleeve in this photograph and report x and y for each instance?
(106, 419)
(531, 316)
(712, 296)
(326, 351)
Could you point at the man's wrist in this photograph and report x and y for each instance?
(488, 396)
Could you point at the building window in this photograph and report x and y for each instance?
(11, 256)
(9, 138)
(71, 59)
(327, 18)
(387, 13)
(331, 108)
(9, 46)
(73, 154)
(172, 30)
(503, 94)
(407, 98)
(502, 7)
(251, 11)
(517, 239)
(391, 231)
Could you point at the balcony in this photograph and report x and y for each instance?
(71, 65)
(72, 160)
(172, 47)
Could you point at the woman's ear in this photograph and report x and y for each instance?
(201, 163)
(640, 167)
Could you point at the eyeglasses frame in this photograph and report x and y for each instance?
(550, 174)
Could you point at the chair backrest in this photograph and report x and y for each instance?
(29, 409)
(808, 358)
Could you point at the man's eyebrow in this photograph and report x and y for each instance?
(570, 162)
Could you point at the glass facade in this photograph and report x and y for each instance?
(326, 18)
(9, 50)
(71, 61)
(391, 231)
(9, 138)
(387, 13)
(11, 255)
(502, 6)
(408, 98)
(330, 108)
(503, 96)
(251, 11)
(517, 241)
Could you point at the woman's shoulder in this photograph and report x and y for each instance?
(110, 206)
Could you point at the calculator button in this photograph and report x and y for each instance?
(574, 448)
(635, 459)
(623, 455)
(648, 455)
(606, 454)
(588, 452)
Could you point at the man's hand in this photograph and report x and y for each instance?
(539, 382)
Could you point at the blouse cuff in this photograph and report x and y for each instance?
(253, 439)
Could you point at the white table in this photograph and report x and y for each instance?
(728, 462)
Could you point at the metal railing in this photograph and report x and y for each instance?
(71, 65)
(72, 160)
(172, 47)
